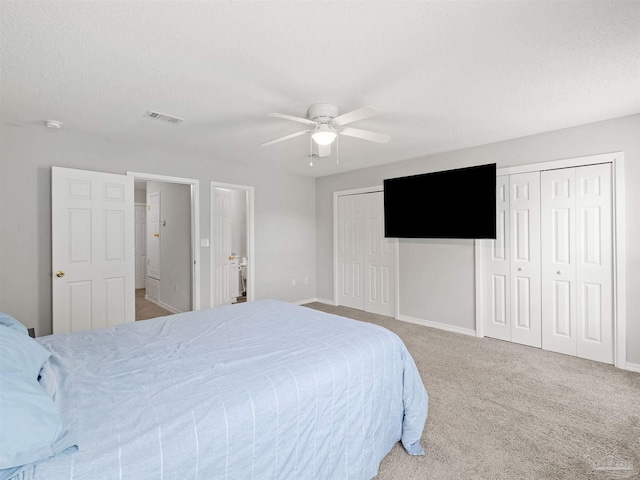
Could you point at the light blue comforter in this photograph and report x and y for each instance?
(262, 390)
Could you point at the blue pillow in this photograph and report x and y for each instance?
(31, 429)
(30, 421)
(21, 353)
(9, 321)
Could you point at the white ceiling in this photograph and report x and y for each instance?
(445, 75)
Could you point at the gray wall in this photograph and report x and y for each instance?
(284, 214)
(175, 244)
(437, 276)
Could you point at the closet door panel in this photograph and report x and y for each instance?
(525, 258)
(351, 251)
(558, 197)
(594, 263)
(496, 285)
(379, 259)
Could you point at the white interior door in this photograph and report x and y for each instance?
(153, 235)
(93, 262)
(351, 211)
(496, 270)
(222, 246)
(525, 259)
(594, 263)
(380, 259)
(558, 232)
(141, 245)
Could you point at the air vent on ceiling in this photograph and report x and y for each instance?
(163, 117)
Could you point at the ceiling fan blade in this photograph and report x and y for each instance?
(365, 135)
(324, 150)
(291, 117)
(356, 115)
(286, 137)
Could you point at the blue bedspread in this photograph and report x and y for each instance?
(262, 390)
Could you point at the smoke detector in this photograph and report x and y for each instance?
(53, 124)
(163, 117)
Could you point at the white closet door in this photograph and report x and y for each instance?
(525, 259)
(496, 286)
(141, 245)
(153, 235)
(558, 228)
(221, 246)
(380, 259)
(351, 250)
(594, 273)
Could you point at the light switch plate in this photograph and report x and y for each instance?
(204, 242)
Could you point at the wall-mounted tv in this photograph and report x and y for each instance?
(457, 203)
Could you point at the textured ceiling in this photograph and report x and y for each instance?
(444, 75)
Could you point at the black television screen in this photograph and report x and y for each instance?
(457, 203)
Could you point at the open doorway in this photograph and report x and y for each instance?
(167, 257)
(232, 248)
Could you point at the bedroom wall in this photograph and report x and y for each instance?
(284, 214)
(437, 276)
(175, 244)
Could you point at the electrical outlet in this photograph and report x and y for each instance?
(293, 282)
(306, 280)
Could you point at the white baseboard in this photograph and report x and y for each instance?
(438, 325)
(325, 301)
(310, 300)
(163, 305)
(302, 302)
(633, 367)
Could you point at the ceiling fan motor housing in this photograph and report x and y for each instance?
(322, 112)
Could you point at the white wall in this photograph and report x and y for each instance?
(437, 276)
(284, 214)
(175, 244)
(140, 195)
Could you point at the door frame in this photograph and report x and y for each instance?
(195, 226)
(251, 284)
(616, 159)
(336, 266)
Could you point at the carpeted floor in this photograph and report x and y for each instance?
(498, 410)
(146, 309)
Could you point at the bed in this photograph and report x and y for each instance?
(262, 390)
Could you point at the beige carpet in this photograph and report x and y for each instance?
(146, 309)
(498, 410)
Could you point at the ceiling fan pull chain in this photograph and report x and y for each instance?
(337, 149)
(310, 151)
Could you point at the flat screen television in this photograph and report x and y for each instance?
(457, 203)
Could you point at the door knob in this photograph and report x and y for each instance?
(59, 274)
(156, 234)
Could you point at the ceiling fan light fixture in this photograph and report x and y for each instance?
(324, 135)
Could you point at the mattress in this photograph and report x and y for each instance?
(261, 390)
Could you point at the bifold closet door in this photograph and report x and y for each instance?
(366, 260)
(525, 259)
(577, 262)
(351, 250)
(496, 268)
(379, 260)
(558, 229)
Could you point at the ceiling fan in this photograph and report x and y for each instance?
(327, 125)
